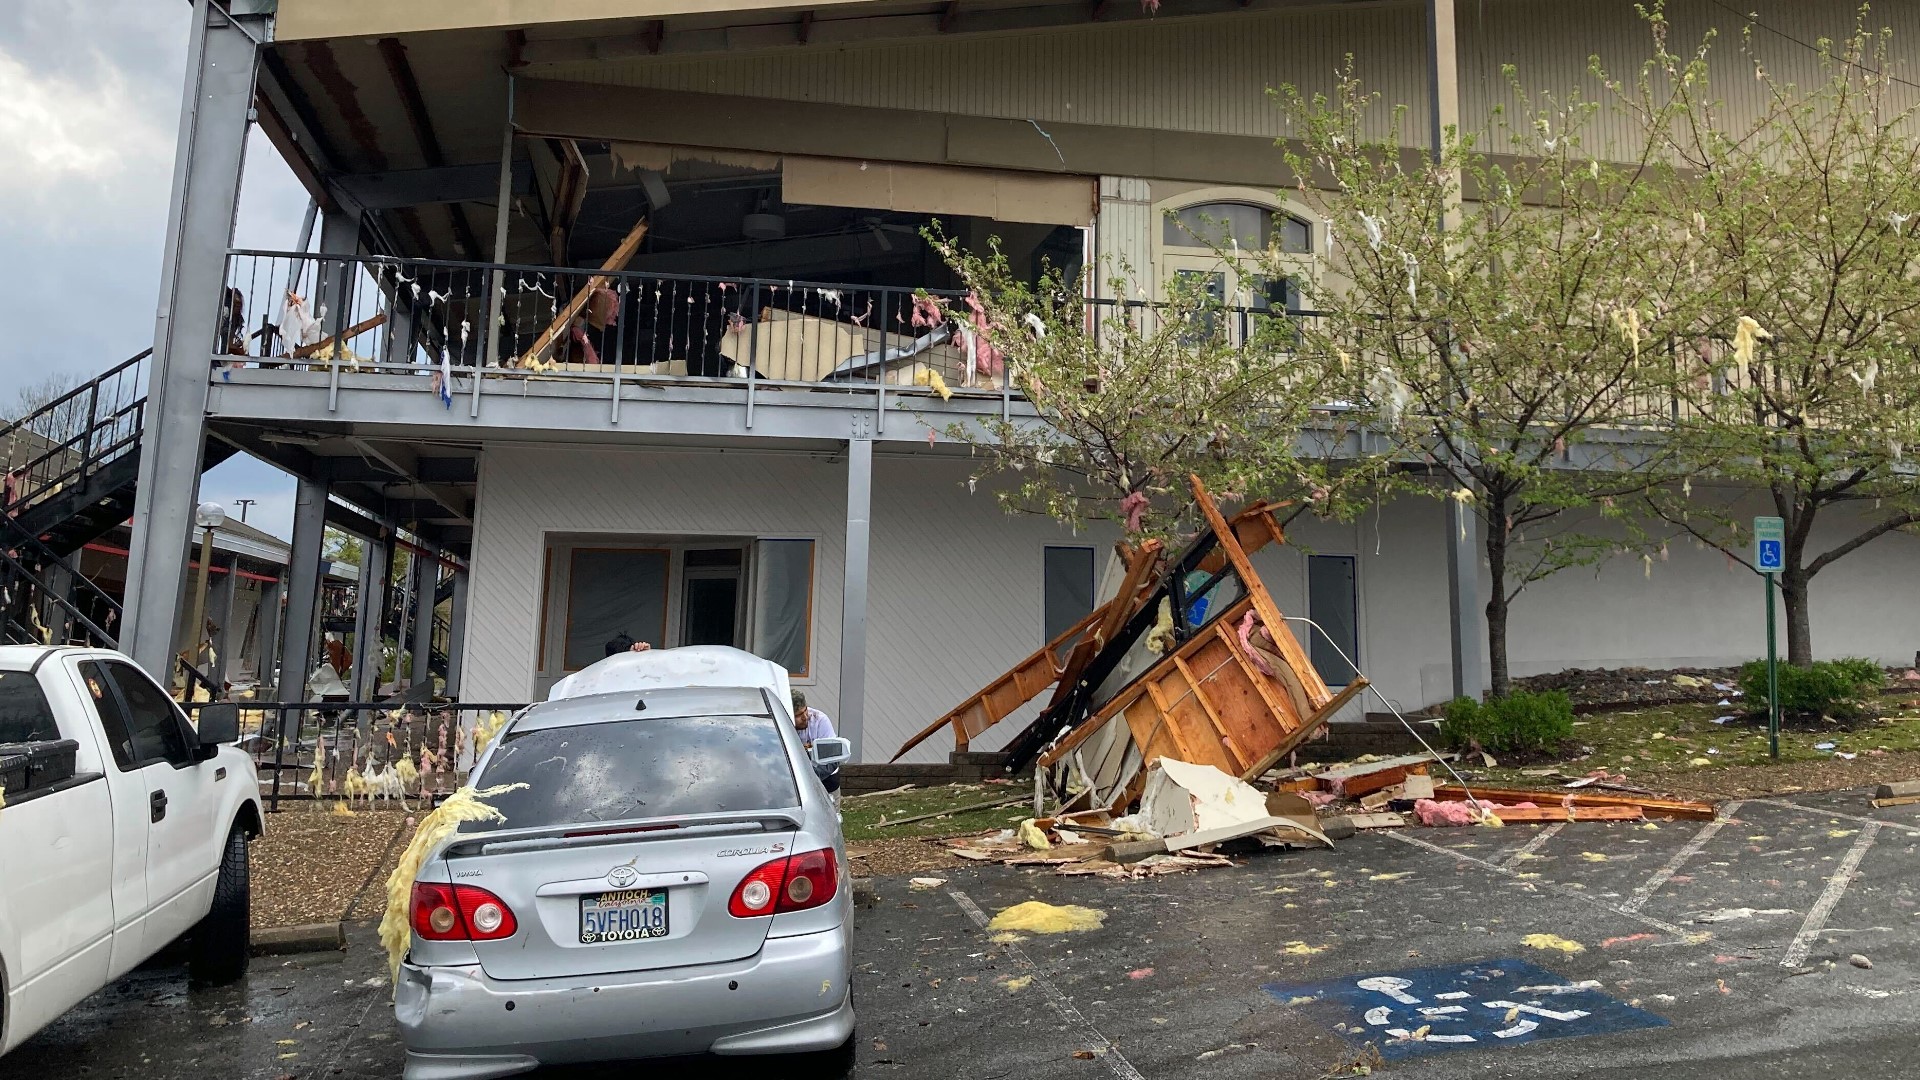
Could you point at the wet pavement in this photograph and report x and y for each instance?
(1696, 951)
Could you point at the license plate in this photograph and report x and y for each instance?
(625, 915)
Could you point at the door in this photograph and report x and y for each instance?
(711, 598)
(182, 845)
(1247, 303)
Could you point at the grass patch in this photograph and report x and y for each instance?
(862, 818)
(1675, 738)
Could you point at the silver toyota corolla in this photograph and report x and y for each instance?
(671, 881)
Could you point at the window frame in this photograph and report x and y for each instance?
(188, 736)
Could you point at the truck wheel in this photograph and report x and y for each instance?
(220, 940)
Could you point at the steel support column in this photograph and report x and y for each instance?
(224, 590)
(426, 579)
(222, 57)
(371, 600)
(266, 633)
(456, 632)
(1463, 547)
(853, 592)
(295, 657)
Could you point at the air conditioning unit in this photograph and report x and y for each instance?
(763, 226)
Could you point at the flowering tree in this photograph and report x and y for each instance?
(1803, 374)
(1132, 396)
(1515, 350)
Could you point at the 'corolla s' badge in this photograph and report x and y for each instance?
(622, 877)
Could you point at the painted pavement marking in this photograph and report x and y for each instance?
(1062, 1005)
(1900, 825)
(1692, 847)
(1539, 841)
(1502, 1003)
(1661, 925)
(1823, 907)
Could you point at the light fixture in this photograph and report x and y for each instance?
(210, 515)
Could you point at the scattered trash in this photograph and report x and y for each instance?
(1725, 719)
(1823, 746)
(927, 882)
(1860, 961)
(1628, 940)
(1014, 986)
(1140, 973)
(1301, 948)
(1553, 942)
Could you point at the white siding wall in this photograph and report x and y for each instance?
(1211, 74)
(956, 584)
(955, 594)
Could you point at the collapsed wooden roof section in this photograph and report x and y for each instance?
(1191, 654)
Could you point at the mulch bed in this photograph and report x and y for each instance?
(903, 856)
(314, 866)
(1632, 686)
(1786, 778)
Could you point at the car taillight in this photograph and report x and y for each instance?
(444, 912)
(795, 883)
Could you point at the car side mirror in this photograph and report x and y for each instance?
(835, 751)
(218, 725)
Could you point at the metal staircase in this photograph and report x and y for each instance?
(71, 466)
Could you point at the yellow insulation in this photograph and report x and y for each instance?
(466, 804)
(485, 729)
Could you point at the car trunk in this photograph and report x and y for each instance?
(581, 910)
(625, 839)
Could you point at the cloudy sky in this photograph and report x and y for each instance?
(89, 112)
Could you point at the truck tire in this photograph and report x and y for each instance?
(219, 949)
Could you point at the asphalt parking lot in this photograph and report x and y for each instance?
(1690, 950)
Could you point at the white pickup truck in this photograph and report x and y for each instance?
(123, 829)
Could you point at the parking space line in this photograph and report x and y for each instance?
(1540, 839)
(1561, 890)
(1062, 1005)
(1692, 847)
(1900, 825)
(1836, 888)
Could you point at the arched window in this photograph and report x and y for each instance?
(1229, 224)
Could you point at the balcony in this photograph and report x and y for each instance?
(350, 327)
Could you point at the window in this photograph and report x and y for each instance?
(613, 591)
(1067, 589)
(1333, 603)
(642, 768)
(141, 721)
(25, 715)
(1226, 224)
(783, 604)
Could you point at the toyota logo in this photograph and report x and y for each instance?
(622, 877)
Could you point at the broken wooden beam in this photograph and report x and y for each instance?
(1353, 781)
(1897, 789)
(1896, 800)
(351, 332)
(1520, 815)
(557, 330)
(1678, 809)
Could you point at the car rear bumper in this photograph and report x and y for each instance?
(792, 996)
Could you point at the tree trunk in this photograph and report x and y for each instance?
(1793, 594)
(1498, 681)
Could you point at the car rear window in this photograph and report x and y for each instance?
(666, 767)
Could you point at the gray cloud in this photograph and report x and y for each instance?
(89, 115)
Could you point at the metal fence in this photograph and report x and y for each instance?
(426, 317)
(361, 751)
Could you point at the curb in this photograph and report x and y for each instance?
(305, 938)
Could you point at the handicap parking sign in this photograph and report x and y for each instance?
(1491, 1004)
(1769, 542)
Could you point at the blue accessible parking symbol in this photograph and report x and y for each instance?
(1496, 1003)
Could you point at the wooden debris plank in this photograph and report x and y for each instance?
(346, 335)
(1654, 808)
(1896, 800)
(1521, 815)
(1376, 821)
(557, 330)
(1898, 789)
(1198, 694)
